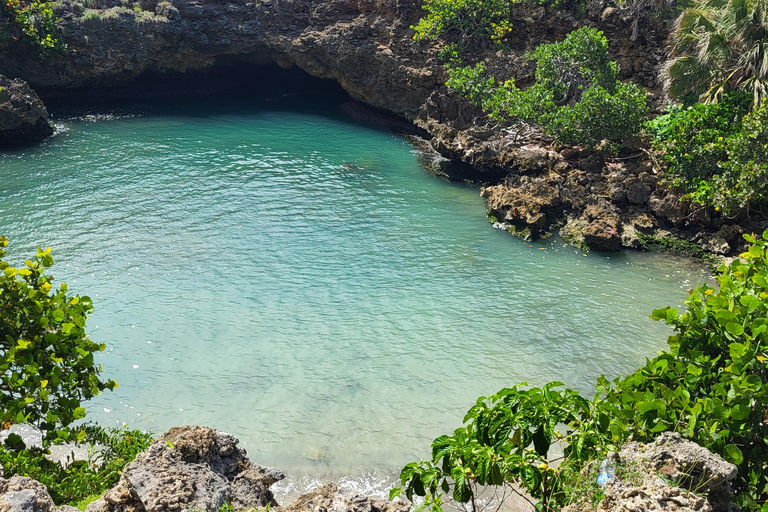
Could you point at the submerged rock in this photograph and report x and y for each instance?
(23, 117)
(190, 469)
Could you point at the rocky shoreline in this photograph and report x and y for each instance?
(366, 46)
(193, 468)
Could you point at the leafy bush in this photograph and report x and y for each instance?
(568, 67)
(46, 358)
(576, 98)
(32, 22)
(464, 22)
(714, 154)
(81, 481)
(712, 387)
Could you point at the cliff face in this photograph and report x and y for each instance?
(367, 47)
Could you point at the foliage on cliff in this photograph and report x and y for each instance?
(46, 358)
(711, 387)
(32, 22)
(716, 152)
(577, 98)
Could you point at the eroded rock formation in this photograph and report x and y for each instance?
(23, 117)
(190, 468)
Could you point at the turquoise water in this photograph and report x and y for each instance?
(287, 275)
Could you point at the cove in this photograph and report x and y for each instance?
(271, 268)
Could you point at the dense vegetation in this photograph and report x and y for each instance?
(711, 386)
(712, 152)
(82, 481)
(576, 99)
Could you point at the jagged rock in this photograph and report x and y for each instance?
(669, 207)
(22, 494)
(603, 233)
(697, 467)
(523, 201)
(654, 495)
(638, 193)
(23, 117)
(329, 498)
(190, 469)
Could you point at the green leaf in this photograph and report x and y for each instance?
(733, 454)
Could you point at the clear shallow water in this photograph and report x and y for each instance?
(296, 279)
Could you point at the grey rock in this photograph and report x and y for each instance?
(190, 468)
(22, 494)
(69, 508)
(329, 498)
(23, 117)
(695, 466)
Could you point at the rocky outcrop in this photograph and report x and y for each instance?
(200, 469)
(693, 466)
(330, 498)
(23, 117)
(653, 495)
(190, 469)
(22, 494)
(671, 474)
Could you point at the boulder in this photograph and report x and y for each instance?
(669, 207)
(23, 117)
(190, 468)
(22, 494)
(330, 498)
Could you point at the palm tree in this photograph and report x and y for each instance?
(720, 46)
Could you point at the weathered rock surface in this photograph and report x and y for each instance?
(329, 498)
(23, 117)
(694, 466)
(654, 495)
(190, 469)
(22, 494)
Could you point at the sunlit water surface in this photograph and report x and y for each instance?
(280, 272)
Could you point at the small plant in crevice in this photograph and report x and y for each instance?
(34, 23)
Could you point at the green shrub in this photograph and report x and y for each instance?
(81, 482)
(505, 440)
(576, 98)
(46, 358)
(464, 22)
(715, 153)
(569, 67)
(712, 386)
